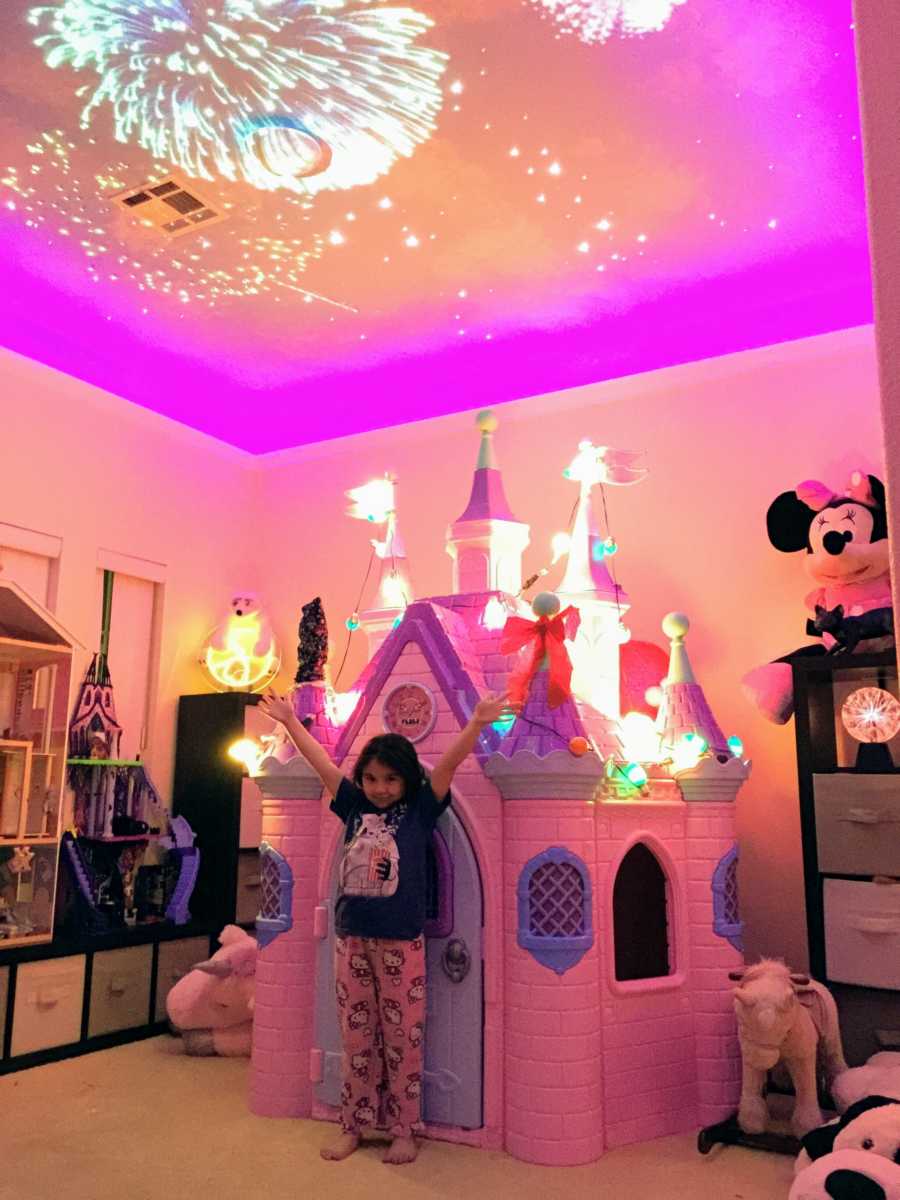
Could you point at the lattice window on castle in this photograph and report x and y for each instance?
(641, 917)
(554, 897)
(727, 921)
(276, 882)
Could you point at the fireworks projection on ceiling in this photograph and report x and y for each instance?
(597, 20)
(51, 193)
(298, 94)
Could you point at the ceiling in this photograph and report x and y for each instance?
(428, 208)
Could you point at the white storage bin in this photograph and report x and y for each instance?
(120, 990)
(862, 933)
(858, 824)
(49, 997)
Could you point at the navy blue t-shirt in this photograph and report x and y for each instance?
(382, 885)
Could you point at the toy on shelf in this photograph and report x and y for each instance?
(845, 536)
(784, 1018)
(212, 1006)
(116, 873)
(35, 680)
(871, 1124)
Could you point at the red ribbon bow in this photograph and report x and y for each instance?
(545, 636)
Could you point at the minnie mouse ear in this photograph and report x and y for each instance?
(788, 521)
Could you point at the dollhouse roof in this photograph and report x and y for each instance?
(24, 619)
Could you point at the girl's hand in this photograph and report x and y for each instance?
(277, 707)
(492, 708)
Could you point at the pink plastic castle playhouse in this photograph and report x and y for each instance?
(583, 916)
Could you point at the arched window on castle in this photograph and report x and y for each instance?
(277, 889)
(554, 895)
(641, 917)
(727, 921)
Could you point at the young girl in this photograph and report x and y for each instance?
(389, 809)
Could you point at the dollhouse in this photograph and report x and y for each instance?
(583, 916)
(35, 677)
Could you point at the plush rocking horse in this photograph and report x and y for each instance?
(791, 1019)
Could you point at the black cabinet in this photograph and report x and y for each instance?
(848, 759)
(221, 804)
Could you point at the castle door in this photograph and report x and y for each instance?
(454, 1024)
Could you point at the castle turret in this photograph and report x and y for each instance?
(395, 593)
(703, 764)
(486, 543)
(376, 502)
(588, 585)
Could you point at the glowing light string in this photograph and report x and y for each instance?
(345, 91)
(598, 20)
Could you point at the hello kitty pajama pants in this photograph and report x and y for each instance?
(380, 986)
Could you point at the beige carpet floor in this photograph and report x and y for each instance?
(142, 1122)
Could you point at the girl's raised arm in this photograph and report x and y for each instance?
(279, 709)
(486, 711)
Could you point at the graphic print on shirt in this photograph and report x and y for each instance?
(370, 863)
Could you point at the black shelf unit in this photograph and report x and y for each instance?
(189, 943)
(206, 790)
(870, 1015)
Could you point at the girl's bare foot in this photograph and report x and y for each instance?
(401, 1150)
(340, 1147)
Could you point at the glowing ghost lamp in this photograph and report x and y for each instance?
(241, 654)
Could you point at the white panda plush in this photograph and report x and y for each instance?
(848, 1175)
(871, 1125)
(880, 1076)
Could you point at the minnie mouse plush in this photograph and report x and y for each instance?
(844, 535)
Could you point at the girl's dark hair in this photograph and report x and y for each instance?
(396, 752)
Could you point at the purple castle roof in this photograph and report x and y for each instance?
(685, 709)
(488, 499)
(443, 638)
(538, 727)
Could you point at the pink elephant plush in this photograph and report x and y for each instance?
(212, 1006)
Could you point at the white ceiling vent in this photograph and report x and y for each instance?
(169, 205)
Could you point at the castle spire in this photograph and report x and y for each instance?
(684, 708)
(588, 584)
(486, 542)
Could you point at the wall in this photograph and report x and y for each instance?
(721, 438)
(98, 472)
